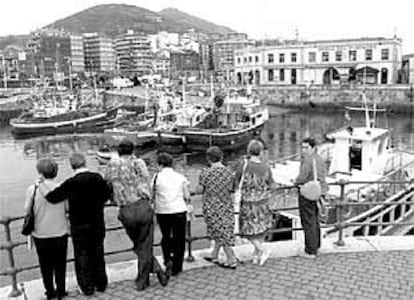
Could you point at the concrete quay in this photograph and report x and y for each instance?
(365, 268)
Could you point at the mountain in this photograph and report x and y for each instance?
(16, 40)
(189, 21)
(113, 19)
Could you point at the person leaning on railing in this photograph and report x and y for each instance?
(86, 193)
(216, 184)
(128, 178)
(171, 195)
(50, 231)
(256, 191)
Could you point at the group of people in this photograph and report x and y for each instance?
(165, 198)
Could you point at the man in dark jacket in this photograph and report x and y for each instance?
(87, 193)
(308, 209)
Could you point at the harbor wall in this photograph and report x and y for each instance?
(398, 99)
(395, 98)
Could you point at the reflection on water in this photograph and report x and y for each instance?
(282, 136)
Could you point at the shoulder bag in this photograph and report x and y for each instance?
(29, 218)
(312, 190)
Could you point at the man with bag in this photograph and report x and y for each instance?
(312, 183)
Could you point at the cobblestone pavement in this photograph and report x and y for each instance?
(354, 275)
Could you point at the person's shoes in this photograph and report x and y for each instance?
(163, 278)
(213, 260)
(101, 288)
(226, 265)
(141, 287)
(264, 256)
(61, 295)
(176, 272)
(307, 255)
(168, 268)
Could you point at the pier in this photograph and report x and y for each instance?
(368, 266)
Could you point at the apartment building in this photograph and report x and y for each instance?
(99, 53)
(133, 52)
(355, 61)
(224, 49)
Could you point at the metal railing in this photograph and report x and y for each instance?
(283, 196)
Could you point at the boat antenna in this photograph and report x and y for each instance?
(367, 118)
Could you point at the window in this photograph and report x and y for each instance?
(245, 59)
(293, 76)
(270, 75)
(257, 59)
(352, 55)
(325, 56)
(368, 54)
(282, 75)
(270, 58)
(281, 57)
(338, 55)
(250, 59)
(312, 56)
(293, 57)
(385, 54)
(238, 60)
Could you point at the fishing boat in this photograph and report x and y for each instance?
(361, 154)
(161, 123)
(235, 120)
(50, 117)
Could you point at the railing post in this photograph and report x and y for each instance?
(339, 214)
(12, 272)
(190, 257)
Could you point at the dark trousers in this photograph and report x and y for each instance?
(172, 228)
(310, 222)
(88, 248)
(52, 259)
(137, 219)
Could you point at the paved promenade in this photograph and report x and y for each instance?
(365, 268)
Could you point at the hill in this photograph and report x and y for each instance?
(16, 40)
(188, 21)
(113, 19)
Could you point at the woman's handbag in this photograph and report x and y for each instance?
(238, 191)
(29, 219)
(312, 190)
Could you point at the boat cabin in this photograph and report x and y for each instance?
(359, 148)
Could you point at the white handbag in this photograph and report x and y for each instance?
(312, 190)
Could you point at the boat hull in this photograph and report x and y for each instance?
(93, 123)
(200, 140)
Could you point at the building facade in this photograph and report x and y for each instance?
(345, 61)
(133, 52)
(224, 49)
(77, 54)
(184, 63)
(99, 53)
(408, 69)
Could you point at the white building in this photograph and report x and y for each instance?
(360, 61)
(163, 40)
(133, 54)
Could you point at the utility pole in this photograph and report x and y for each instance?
(4, 72)
(70, 73)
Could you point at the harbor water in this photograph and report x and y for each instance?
(282, 136)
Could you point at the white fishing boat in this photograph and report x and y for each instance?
(361, 153)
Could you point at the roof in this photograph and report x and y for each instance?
(359, 133)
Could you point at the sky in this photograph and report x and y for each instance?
(311, 19)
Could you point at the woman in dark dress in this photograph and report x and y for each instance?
(217, 185)
(256, 191)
